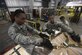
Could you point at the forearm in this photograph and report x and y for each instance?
(65, 28)
(21, 39)
(32, 30)
(72, 34)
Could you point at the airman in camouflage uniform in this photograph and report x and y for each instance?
(22, 33)
(51, 25)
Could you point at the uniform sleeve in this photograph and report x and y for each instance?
(67, 23)
(64, 27)
(20, 38)
(44, 27)
(72, 34)
(32, 30)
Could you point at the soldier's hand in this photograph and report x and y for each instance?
(38, 41)
(46, 43)
(75, 37)
(42, 35)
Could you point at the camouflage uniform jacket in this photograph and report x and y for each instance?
(24, 35)
(57, 26)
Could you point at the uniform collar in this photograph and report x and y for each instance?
(19, 26)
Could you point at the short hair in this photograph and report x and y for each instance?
(18, 11)
(62, 17)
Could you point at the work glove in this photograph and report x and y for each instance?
(50, 31)
(75, 37)
(38, 41)
(44, 35)
(47, 44)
